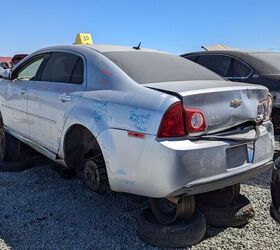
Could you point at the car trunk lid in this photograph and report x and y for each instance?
(223, 103)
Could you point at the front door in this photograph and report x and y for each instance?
(53, 97)
(14, 95)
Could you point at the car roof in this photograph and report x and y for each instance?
(114, 48)
(102, 48)
(262, 61)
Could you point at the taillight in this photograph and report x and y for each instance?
(264, 109)
(179, 121)
(173, 124)
(195, 120)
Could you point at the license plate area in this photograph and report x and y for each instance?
(237, 156)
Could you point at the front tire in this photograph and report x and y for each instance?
(9, 146)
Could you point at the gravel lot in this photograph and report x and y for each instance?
(40, 210)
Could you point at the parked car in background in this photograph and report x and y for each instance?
(17, 58)
(5, 62)
(243, 66)
(138, 121)
(1, 71)
(275, 191)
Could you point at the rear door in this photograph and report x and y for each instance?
(53, 97)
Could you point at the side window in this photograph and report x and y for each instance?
(63, 67)
(240, 69)
(29, 71)
(78, 72)
(217, 63)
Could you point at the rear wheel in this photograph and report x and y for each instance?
(95, 174)
(169, 210)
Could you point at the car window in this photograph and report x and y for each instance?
(78, 72)
(240, 69)
(63, 68)
(29, 71)
(150, 67)
(218, 63)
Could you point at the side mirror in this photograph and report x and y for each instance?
(7, 74)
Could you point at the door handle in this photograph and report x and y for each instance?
(23, 91)
(65, 98)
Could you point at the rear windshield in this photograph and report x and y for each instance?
(271, 60)
(149, 67)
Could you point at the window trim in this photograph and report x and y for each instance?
(232, 57)
(68, 52)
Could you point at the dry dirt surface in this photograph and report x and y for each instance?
(40, 210)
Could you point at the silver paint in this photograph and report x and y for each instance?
(109, 104)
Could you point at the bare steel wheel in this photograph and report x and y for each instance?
(95, 174)
(169, 210)
(221, 197)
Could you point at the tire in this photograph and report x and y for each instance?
(275, 213)
(221, 197)
(237, 214)
(10, 147)
(275, 191)
(182, 234)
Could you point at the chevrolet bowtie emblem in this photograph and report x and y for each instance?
(235, 103)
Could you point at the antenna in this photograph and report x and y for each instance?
(204, 48)
(138, 47)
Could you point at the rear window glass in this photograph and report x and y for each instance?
(64, 68)
(149, 67)
(267, 63)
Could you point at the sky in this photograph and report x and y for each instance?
(176, 26)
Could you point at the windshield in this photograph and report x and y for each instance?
(150, 67)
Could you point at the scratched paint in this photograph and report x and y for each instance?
(139, 119)
(101, 112)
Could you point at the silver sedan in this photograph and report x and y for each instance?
(136, 120)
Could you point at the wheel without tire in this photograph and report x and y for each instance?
(95, 174)
(236, 214)
(9, 147)
(182, 234)
(167, 211)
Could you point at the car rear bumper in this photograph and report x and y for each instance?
(223, 180)
(154, 168)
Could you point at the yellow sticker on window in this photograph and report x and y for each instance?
(83, 38)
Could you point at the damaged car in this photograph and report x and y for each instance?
(245, 66)
(138, 121)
